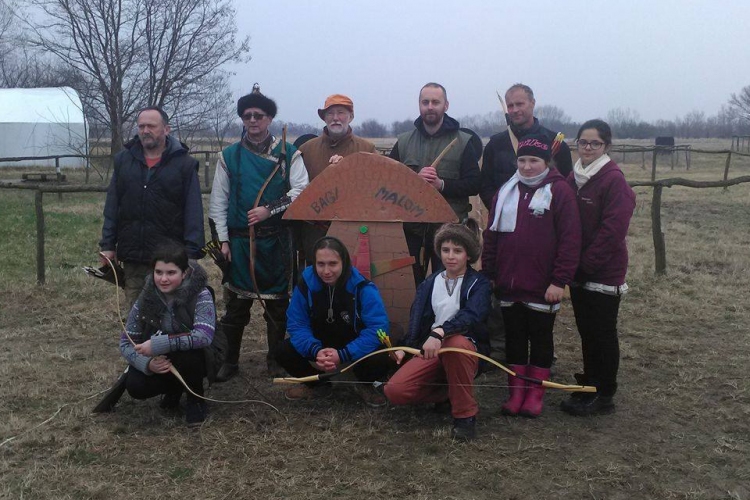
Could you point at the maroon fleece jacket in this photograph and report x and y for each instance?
(606, 203)
(543, 250)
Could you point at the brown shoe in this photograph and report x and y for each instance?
(302, 392)
(371, 396)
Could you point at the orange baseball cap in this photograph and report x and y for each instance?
(336, 100)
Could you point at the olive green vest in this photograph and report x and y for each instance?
(417, 151)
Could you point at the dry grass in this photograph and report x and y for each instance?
(681, 430)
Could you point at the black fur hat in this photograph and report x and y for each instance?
(256, 100)
(465, 235)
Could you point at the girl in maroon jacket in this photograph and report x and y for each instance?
(531, 250)
(606, 204)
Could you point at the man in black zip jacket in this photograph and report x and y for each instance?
(154, 195)
(499, 160)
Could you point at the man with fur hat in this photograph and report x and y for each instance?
(336, 141)
(457, 176)
(264, 168)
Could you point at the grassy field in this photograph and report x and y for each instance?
(681, 431)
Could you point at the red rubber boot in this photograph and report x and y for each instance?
(517, 390)
(532, 405)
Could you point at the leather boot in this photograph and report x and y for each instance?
(517, 390)
(532, 405)
(234, 341)
(275, 335)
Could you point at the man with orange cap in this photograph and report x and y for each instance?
(336, 141)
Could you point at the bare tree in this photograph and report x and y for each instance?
(372, 129)
(134, 53)
(740, 103)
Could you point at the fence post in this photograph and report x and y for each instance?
(687, 156)
(726, 169)
(660, 246)
(653, 165)
(39, 208)
(205, 170)
(59, 174)
(643, 159)
(671, 158)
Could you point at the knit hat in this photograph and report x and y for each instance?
(256, 100)
(535, 145)
(336, 100)
(465, 235)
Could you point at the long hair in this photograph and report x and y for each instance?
(335, 244)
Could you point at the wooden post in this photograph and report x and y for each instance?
(205, 170)
(687, 157)
(623, 156)
(59, 175)
(726, 168)
(660, 246)
(653, 165)
(39, 208)
(671, 158)
(643, 159)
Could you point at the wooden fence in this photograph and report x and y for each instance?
(740, 143)
(657, 185)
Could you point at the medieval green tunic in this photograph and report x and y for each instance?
(273, 248)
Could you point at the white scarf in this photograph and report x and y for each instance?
(506, 208)
(584, 174)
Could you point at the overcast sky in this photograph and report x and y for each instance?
(661, 58)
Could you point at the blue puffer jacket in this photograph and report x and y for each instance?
(469, 321)
(369, 317)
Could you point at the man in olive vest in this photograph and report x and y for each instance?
(456, 177)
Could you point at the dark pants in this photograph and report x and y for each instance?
(238, 315)
(191, 365)
(496, 330)
(525, 327)
(596, 318)
(422, 236)
(372, 369)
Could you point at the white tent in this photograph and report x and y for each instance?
(42, 122)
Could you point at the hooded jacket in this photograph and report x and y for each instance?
(459, 169)
(146, 206)
(544, 249)
(474, 304)
(368, 313)
(606, 204)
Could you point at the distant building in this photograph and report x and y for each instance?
(42, 122)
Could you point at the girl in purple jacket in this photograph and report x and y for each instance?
(531, 250)
(606, 203)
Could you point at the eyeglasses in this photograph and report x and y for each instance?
(255, 116)
(594, 145)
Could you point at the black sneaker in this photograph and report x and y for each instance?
(195, 413)
(170, 402)
(590, 404)
(464, 429)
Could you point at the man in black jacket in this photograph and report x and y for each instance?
(154, 195)
(456, 177)
(499, 160)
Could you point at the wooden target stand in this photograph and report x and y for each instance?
(367, 197)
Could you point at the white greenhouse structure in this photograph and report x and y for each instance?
(42, 122)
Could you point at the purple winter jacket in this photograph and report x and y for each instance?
(543, 250)
(606, 203)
